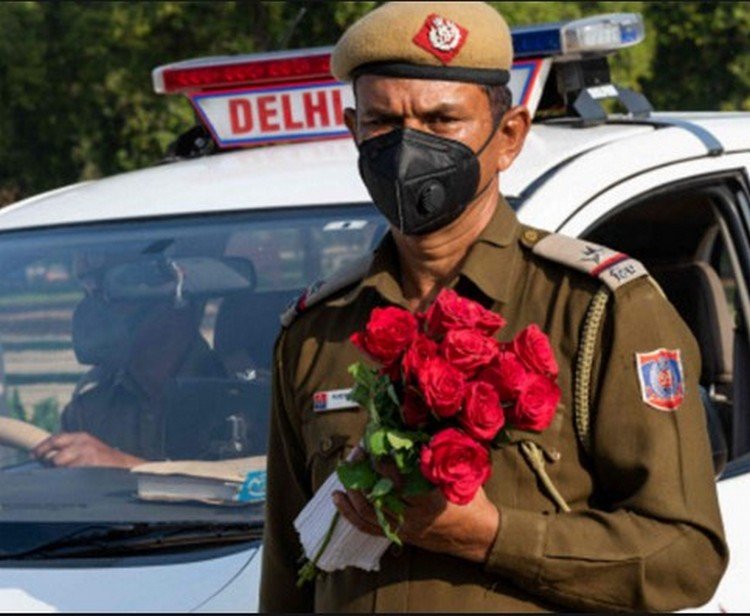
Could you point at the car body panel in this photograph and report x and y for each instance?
(566, 178)
(119, 584)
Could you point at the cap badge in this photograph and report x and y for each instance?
(441, 37)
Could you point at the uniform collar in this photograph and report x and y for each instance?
(493, 258)
(489, 262)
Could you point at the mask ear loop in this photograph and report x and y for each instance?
(478, 153)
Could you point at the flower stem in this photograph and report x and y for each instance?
(309, 571)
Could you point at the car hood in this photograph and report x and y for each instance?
(141, 584)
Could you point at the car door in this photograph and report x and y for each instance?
(690, 224)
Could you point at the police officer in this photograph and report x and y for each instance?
(612, 507)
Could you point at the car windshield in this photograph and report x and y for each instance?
(155, 337)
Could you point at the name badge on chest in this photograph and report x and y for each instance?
(333, 400)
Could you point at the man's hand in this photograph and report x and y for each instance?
(81, 449)
(432, 523)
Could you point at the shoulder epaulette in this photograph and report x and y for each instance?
(613, 268)
(322, 289)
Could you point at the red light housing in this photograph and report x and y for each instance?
(222, 72)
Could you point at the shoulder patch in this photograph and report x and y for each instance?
(322, 289)
(661, 378)
(613, 268)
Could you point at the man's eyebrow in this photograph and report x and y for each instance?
(442, 109)
(439, 109)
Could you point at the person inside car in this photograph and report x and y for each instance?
(136, 348)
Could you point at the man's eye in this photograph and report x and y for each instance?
(379, 122)
(443, 119)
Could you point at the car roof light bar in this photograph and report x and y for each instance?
(592, 35)
(286, 67)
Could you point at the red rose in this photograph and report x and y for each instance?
(414, 410)
(507, 374)
(450, 311)
(536, 405)
(488, 322)
(468, 350)
(455, 463)
(534, 350)
(482, 416)
(387, 334)
(442, 386)
(421, 349)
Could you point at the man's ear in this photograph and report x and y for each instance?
(512, 133)
(350, 119)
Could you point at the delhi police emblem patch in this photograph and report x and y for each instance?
(661, 378)
(441, 37)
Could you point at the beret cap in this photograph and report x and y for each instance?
(460, 41)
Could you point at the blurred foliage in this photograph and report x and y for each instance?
(47, 415)
(75, 77)
(15, 407)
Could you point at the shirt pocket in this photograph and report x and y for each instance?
(328, 439)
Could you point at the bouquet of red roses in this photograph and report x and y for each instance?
(443, 391)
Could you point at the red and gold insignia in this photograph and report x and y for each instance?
(661, 378)
(442, 37)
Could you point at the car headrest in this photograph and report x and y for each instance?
(696, 292)
(247, 324)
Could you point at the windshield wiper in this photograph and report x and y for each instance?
(120, 539)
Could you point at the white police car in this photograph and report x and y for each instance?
(233, 237)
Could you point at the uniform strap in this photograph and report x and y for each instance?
(323, 289)
(613, 268)
(584, 366)
(535, 457)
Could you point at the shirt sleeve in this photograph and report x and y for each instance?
(286, 495)
(654, 539)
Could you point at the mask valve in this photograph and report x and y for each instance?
(431, 198)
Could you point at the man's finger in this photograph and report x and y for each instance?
(363, 507)
(387, 468)
(344, 505)
(68, 456)
(57, 441)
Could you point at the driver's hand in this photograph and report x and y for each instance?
(81, 449)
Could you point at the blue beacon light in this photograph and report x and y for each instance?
(600, 34)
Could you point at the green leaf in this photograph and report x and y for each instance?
(391, 391)
(501, 439)
(381, 488)
(375, 442)
(415, 484)
(364, 376)
(403, 461)
(400, 440)
(385, 524)
(360, 395)
(394, 504)
(357, 475)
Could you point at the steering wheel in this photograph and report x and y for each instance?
(20, 434)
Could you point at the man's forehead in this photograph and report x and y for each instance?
(376, 91)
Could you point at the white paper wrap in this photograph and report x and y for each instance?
(348, 547)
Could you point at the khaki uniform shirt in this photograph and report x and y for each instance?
(110, 405)
(644, 531)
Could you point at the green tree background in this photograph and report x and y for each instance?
(76, 100)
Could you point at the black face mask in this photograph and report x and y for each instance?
(419, 181)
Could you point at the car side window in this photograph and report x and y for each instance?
(686, 240)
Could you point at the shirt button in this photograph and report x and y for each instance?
(326, 444)
(530, 235)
